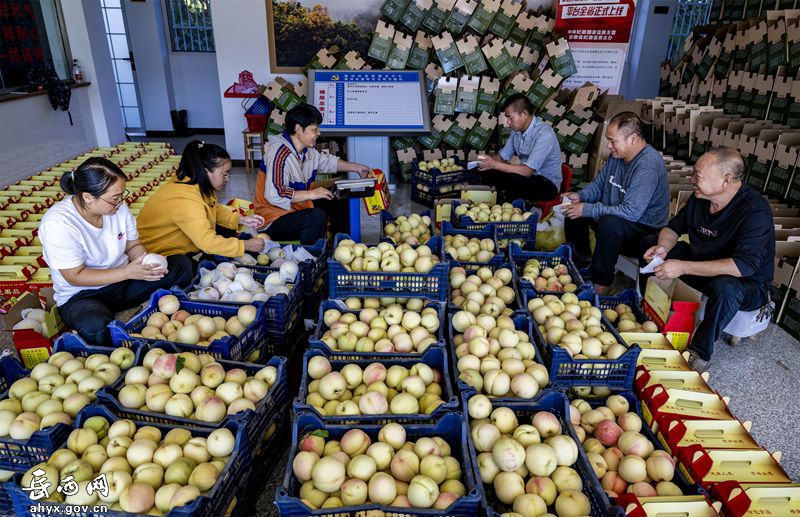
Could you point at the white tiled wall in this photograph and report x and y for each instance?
(33, 136)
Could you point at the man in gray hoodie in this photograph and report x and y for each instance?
(628, 200)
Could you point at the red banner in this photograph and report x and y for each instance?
(604, 21)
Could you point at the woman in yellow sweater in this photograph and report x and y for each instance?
(181, 218)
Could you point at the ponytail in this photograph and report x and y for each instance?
(94, 176)
(198, 160)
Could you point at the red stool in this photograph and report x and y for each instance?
(566, 180)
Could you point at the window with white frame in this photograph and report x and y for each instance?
(688, 14)
(190, 27)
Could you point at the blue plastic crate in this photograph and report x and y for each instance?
(20, 455)
(283, 313)
(429, 198)
(524, 230)
(255, 422)
(387, 217)
(431, 285)
(213, 504)
(635, 406)
(487, 232)
(436, 179)
(262, 466)
(561, 255)
(566, 372)
(554, 402)
(75, 345)
(435, 357)
(6, 507)
(316, 343)
(311, 271)
(522, 322)
(232, 347)
(629, 297)
(451, 427)
(516, 304)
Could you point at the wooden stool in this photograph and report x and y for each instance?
(254, 142)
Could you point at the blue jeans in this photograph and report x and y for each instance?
(726, 294)
(91, 310)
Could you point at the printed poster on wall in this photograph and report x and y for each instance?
(598, 32)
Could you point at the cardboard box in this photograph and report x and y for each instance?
(783, 167)
(439, 126)
(478, 137)
(675, 434)
(469, 48)
(690, 506)
(553, 112)
(759, 168)
(447, 52)
(381, 41)
(793, 114)
(400, 51)
(504, 130)
(446, 96)
(513, 49)
(789, 318)
(777, 50)
(479, 194)
(393, 9)
(483, 15)
(520, 82)
(458, 131)
(437, 15)
(545, 86)
(351, 61)
(414, 13)
(561, 57)
(420, 54)
(528, 58)
(522, 27)
(460, 15)
(673, 307)
(499, 58)
(32, 347)
(505, 18)
(689, 381)
(658, 401)
(283, 97)
(488, 94)
(779, 103)
(711, 466)
(432, 73)
(467, 94)
(324, 59)
(747, 500)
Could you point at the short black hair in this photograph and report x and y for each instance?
(94, 176)
(728, 161)
(197, 161)
(303, 114)
(629, 124)
(519, 103)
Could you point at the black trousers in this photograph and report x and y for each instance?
(309, 225)
(726, 294)
(614, 236)
(515, 186)
(90, 311)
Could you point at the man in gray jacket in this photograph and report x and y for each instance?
(627, 200)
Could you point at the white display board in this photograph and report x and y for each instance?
(370, 102)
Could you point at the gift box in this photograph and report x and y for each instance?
(505, 18)
(467, 97)
(484, 14)
(400, 51)
(415, 12)
(446, 96)
(393, 9)
(469, 48)
(381, 41)
(447, 52)
(499, 58)
(437, 15)
(460, 15)
(420, 54)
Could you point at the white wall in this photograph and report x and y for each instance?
(37, 137)
(170, 80)
(195, 84)
(240, 31)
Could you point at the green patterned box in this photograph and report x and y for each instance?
(460, 15)
(783, 167)
(415, 12)
(481, 133)
(401, 50)
(761, 96)
(793, 45)
(323, 60)
(276, 123)
(487, 94)
(759, 51)
(447, 52)
(553, 112)
(457, 133)
(381, 41)
(781, 99)
(527, 59)
(402, 142)
(725, 57)
(777, 49)
(734, 10)
(351, 61)
(579, 163)
(505, 18)
(420, 54)
(439, 126)
(707, 61)
(561, 58)
(393, 9)
(406, 158)
(753, 8)
(522, 27)
(432, 74)
(793, 192)
(470, 50)
(500, 60)
(437, 15)
(467, 98)
(446, 95)
(504, 130)
(542, 30)
(521, 82)
(582, 139)
(544, 87)
(281, 96)
(484, 14)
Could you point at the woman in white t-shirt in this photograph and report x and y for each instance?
(91, 245)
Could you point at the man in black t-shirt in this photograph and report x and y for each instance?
(729, 257)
